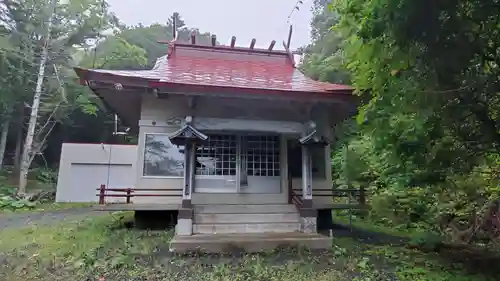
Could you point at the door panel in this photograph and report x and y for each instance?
(244, 164)
(261, 164)
(86, 179)
(216, 162)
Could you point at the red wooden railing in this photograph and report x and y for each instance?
(293, 198)
(128, 193)
(358, 194)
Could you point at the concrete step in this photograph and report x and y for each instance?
(222, 243)
(205, 218)
(245, 209)
(276, 227)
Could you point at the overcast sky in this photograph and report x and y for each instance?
(264, 20)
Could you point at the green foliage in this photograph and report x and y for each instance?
(68, 111)
(427, 241)
(324, 58)
(427, 139)
(101, 247)
(44, 175)
(11, 203)
(9, 199)
(116, 53)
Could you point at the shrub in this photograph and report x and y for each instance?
(9, 199)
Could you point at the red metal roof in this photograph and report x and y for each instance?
(224, 66)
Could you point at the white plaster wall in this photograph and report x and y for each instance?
(160, 116)
(164, 115)
(173, 183)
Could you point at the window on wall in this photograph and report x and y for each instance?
(162, 158)
(318, 159)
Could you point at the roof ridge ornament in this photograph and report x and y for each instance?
(286, 45)
(187, 133)
(233, 41)
(175, 35)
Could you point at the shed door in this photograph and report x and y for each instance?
(86, 178)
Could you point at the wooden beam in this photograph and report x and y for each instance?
(289, 38)
(193, 38)
(233, 41)
(227, 48)
(285, 46)
(271, 46)
(214, 39)
(252, 44)
(174, 27)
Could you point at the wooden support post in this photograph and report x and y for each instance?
(193, 38)
(187, 171)
(362, 202)
(252, 44)
(362, 196)
(102, 191)
(129, 191)
(192, 167)
(174, 26)
(306, 174)
(188, 174)
(233, 41)
(271, 46)
(289, 41)
(308, 215)
(214, 39)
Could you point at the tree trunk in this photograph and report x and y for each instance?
(3, 139)
(30, 134)
(19, 143)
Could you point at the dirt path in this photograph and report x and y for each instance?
(8, 220)
(367, 236)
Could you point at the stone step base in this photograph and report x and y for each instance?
(205, 218)
(245, 209)
(277, 227)
(224, 243)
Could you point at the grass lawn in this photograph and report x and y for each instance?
(102, 248)
(48, 207)
(356, 221)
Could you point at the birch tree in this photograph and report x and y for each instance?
(49, 32)
(29, 151)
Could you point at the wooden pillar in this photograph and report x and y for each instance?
(192, 168)
(102, 194)
(308, 215)
(185, 217)
(187, 135)
(306, 177)
(188, 181)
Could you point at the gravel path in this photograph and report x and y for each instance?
(47, 217)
